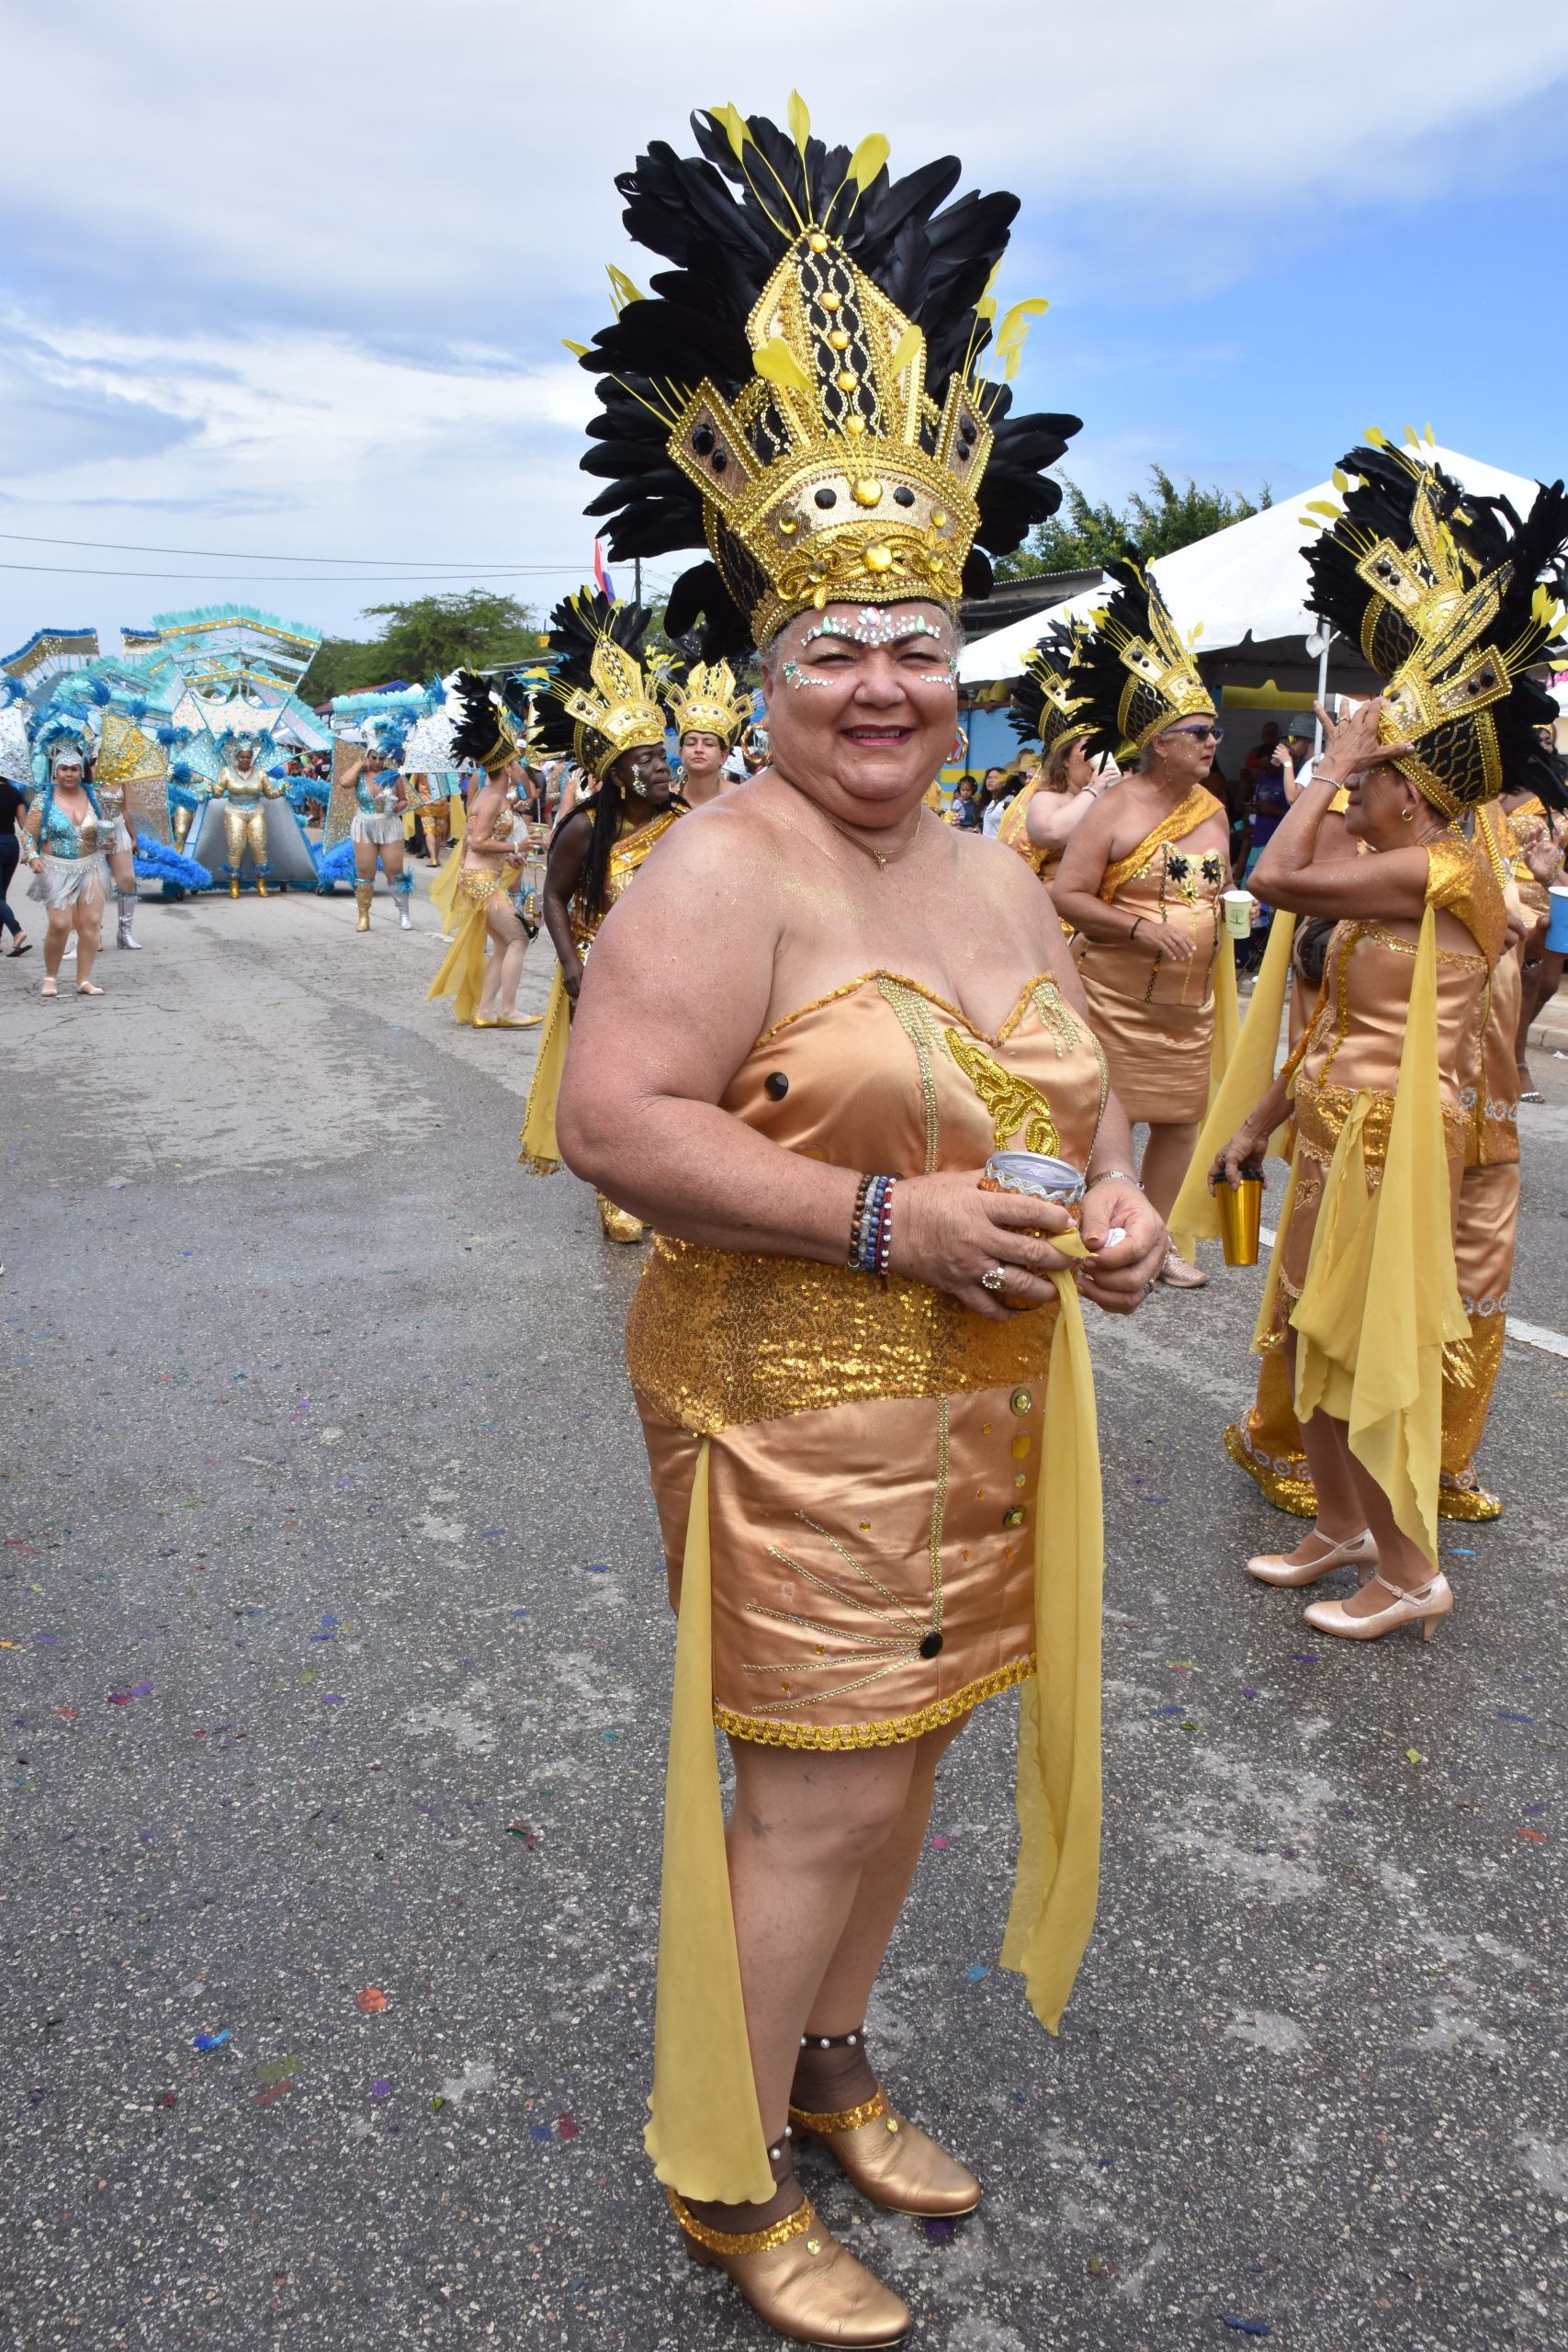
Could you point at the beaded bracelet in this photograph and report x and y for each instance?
(871, 1234)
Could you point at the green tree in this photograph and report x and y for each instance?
(424, 637)
(1080, 536)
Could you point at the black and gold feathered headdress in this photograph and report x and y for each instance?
(1048, 705)
(1138, 675)
(603, 698)
(805, 389)
(1442, 592)
(706, 699)
(485, 733)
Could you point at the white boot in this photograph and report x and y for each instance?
(127, 909)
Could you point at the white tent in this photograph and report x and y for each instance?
(1247, 580)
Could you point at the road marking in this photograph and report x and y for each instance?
(1530, 1335)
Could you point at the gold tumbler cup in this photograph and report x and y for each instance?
(1241, 1211)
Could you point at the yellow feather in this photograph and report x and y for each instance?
(623, 288)
(1341, 481)
(906, 349)
(1378, 439)
(734, 126)
(1412, 437)
(1323, 506)
(1431, 441)
(778, 362)
(868, 160)
(799, 120)
(1014, 329)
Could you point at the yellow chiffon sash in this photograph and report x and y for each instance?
(444, 889)
(705, 2132)
(1238, 1082)
(1380, 1297)
(540, 1151)
(1056, 1883)
(462, 974)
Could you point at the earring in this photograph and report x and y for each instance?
(960, 751)
(1405, 815)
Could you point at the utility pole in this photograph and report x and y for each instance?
(636, 578)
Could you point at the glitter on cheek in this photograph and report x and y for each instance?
(798, 677)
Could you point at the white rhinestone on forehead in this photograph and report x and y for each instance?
(874, 625)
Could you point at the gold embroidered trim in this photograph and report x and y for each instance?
(888, 1733)
(1296, 1495)
(1015, 1107)
(793, 2225)
(1181, 821)
(843, 2119)
(908, 1009)
(903, 981)
(938, 1511)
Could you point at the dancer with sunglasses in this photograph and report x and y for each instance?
(1141, 881)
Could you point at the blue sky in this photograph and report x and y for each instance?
(303, 295)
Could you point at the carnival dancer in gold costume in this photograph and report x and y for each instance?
(1266, 1442)
(1363, 1295)
(709, 711)
(1141, 882)
(801, 1037)
(603, 705)
(1048, 709)
(487, 735)
(257, 820)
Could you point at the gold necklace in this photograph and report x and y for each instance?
(854, 840)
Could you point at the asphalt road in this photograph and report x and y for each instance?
(336, 1658)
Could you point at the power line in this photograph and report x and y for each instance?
(310, 580)
(238, 555)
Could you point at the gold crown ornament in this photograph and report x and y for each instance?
(808, 391)
(603, 698)
(707, 700)
(1048, 705)
(1442, 591)
(1137, 673)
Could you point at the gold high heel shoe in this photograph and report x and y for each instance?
(1426, 1608)
(799, 2281)
(1273, 1567)
(890, 2160)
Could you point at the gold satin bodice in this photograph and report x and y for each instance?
(1353, 1045)
(1167, 879)
(883, 1075)
(1014, 831)
(624, 860)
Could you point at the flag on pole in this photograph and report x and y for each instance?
(601, 572)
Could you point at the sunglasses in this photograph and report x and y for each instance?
(1200, 734)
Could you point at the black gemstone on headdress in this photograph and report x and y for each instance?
(903, 495)
(931, 1645)
(703, 439)
(720, 460)
(966, 433)
(826, 498)
(965, 451)
(776, 1085)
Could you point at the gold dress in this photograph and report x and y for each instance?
(1155, 1018)
(874, 1446)
(540, 1151)
(1484, 1096)
(878, 1506)
(1014, 831)
(1350, 1083)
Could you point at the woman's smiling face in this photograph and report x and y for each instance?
(861, 702)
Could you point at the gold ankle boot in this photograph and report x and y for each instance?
(799, 2281)
(262, 890)
(362, 893)
(619, 1224)
(233, 886)
(890, 2160)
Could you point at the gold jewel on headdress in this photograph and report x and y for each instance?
(1430, 615)
(1140, 676)
(707, 701)
(617, 710)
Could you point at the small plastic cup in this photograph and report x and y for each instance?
(1035, 1174)
(1557, 923)
(1239, 906)
(1241, 1215)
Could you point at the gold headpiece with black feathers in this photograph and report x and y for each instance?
(1442, 592)
(603, 698)
(806, 388)
(1049, 706)
(1137, 673)
(706, 699)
